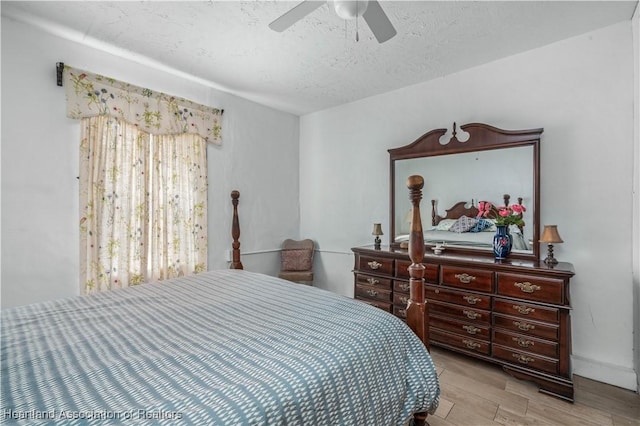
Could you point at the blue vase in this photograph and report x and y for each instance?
(502, 242)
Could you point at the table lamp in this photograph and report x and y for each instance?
(377, 231)
(550, 236)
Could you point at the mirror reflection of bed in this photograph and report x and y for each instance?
(461, 168)
(462, 226)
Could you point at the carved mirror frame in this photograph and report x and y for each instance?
(482, 137)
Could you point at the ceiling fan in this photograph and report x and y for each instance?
(370, 10)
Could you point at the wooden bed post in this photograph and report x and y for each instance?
(417, 311)
(433, 213)
(235, 232)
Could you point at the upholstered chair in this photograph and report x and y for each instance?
(297, 261)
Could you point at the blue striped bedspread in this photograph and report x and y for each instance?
(219, 348)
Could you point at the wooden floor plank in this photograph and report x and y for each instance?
(624, 421)
(507, 418)
(461, 415)
(543, 412)
(438, 421)
(530, 391)
(515, 403)
(483, 407)
(444, 407)
(607, 397)
(475, 393)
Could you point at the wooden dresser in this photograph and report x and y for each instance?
(515, 313)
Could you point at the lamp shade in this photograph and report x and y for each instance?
(550, 235)
(377, 229)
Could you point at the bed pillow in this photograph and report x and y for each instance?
(481, 225)
(463, 224)
(491, 228)
(444, 225)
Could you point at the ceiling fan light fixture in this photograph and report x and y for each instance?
(349, 9)
(370, 11)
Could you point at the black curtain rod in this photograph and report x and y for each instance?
(60, 70)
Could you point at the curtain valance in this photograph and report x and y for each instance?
(90, 95)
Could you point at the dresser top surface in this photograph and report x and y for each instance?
(563, 268)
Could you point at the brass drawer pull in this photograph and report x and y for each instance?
(471, 314)
(402, 312)
(524, 326)
(527, 287)
(373, 281)
(524, 310)
(374, 265)
(523, 343)
(372, 293)
(522, 359)
(465, 278)
(404, 287)
(404, 299)
(471, 344)
(470, 329)
(472, 300)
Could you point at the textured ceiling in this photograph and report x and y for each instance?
(317, 63)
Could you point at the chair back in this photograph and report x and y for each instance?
(297, 260)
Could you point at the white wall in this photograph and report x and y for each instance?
(259, 157)
(581, 92)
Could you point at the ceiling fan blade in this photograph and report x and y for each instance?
(380, 25)
(295, 14)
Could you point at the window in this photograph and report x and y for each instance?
(143, 201)
(143, 180)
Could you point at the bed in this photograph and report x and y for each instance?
(226, 347)
(460, 226)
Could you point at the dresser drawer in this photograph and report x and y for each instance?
(401, 286)
(400, 299)
(460, 327)
(372, 293)
(400, 311)
(378, 304)
(526, 343)
(525, 310)
(479, 301)
(463, 342)
(467, 278)
(526, 359)
(384, 283)
(463, 312)
(524, 326)
(547, 290)
(376, 265)
(430, 272)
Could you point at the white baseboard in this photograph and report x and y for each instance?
(607, 373)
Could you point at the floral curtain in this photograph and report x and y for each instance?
(143, 201)
(90, 95)
(178, 206)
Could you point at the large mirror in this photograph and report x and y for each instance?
(461, 168)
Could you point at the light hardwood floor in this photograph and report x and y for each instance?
(477, 393)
